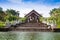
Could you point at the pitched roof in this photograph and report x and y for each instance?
(33, 11)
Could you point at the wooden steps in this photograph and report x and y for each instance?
(32, 27)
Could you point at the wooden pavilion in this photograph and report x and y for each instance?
(33, 23)
(33, 16)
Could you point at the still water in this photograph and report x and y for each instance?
(29, 36)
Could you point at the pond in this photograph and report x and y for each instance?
(29, 36)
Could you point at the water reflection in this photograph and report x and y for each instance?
(29, 36)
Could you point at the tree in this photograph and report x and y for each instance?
(1, 11)
(12, 15)
(12, 12)
(55, 14)
(2, 14)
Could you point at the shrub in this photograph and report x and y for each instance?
(2, 24)
(22, 19)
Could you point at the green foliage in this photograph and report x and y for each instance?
(2, 24)
(41, 18)
(8, 15)
(55, 11)
(55, 14)
(50, 20)
(12, 12)
(11, 18)
(1, 9)
(2, 15)
(23, 19)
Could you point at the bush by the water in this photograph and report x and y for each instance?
(2, 24)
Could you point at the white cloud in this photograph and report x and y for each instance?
(42, 9)
(25, 8)
(15, 1)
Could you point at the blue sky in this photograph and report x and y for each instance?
(25, 6)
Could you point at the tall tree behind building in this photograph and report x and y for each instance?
(55, 14)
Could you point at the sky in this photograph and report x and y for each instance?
(43, 7)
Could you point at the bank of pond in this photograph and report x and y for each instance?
(8, 26)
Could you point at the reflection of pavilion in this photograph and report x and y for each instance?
(33, 16)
